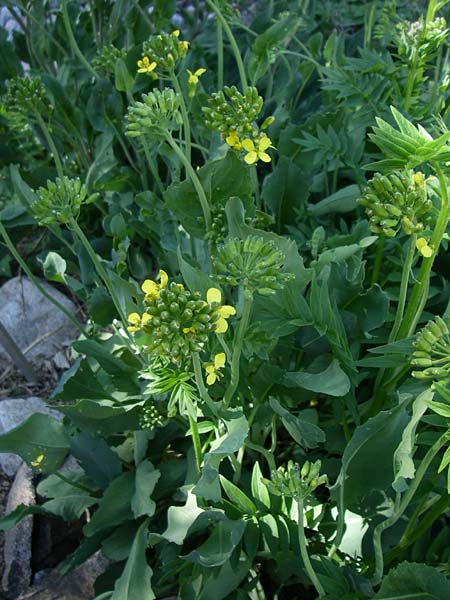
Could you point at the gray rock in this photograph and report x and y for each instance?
(13, 412)
(17, 550)
(77, 585)
(35, 324)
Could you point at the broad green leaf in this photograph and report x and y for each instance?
(115, 506)
(99, 462)
(11, 519)
(80, 382)
(110, 363)
(332, 382)
(146, 478)
(101, 418)
(196, 279)
(342, 201)
(180, 519)
(404, 467)
(238, 497)
(118, 545)
(304, 432)
(66, 500)
(55, 267)
(219, 546)
(40, 438)
(259, 490)
(123, 80)
(135, 583)
(414, 581)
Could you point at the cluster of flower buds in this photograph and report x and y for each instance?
(396, 200)
(232, 112)
(252, 263)
(155, 116)
(106, 58)
(295, 482)
(420, 38)
(153, 415)
(25, 96)
(177, 322)
(61, 200)
(166, 50)
(432, 351)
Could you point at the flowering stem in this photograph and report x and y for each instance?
(201, 384)
(378, 259)
(219, 45)
(403, 287)
(195, 181)
(27, 270)
(233, 43)
(184, 114)
(152, 166)
(237, 348)
(51, 144)
(419, 293)
(402, 506)
(304, 550)
(72, 41)
(196, 442)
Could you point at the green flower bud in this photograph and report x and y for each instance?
(166, 49)
(61, 201)
(155, 116)
(432, 351)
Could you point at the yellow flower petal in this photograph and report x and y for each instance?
(251, 158)
(209, 368)
(214, 295)
(200, 72)
(164, 278)
(176, 33)
(211, 379)
(134, 318)
(226, 311)
(264, 143)
(219, 360)
(221, 325)
(146, 318)
(264, 157)
(248, 145)
(150, 288)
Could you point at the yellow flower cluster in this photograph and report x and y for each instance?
(145, 66)
(255, 149)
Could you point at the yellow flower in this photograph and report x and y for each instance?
(176, 33)
(233, 140)
(258, 151)
(423, 247)
(193, 77)
(145, 66)
(189, 329)
(212, 369)
(137, 322)
(224, 312)
(37, 464)
(184, 46)
(153, 289)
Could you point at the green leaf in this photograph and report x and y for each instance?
(39, 435)
(259, 490)
(146, 478)
(180, 519)
(238, 497)
(80, 382)
(115, 506)
(332, 382)
(404, 467)
(67, 501)
(219, 546)
(304, 432)
(117, 546)
(101, 418)
(55, 267)
(374, 444)
(196, 280)
(135, 581)
(99, 462)
(101, 308)
(342, 201)
(414, 581)
(110, 363)
(123, 80)
(11, 519)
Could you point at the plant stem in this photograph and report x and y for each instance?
(72, 41)
(403, 287)
(398, 512)
(196, 442)
(219, 44)
(237, 349)
(195, 181)
(35, 281)
(233, 43)
(304, 550)
(378, 259)
(152, 166)
(201, 384)
(419, 293)
(51, 144)
(184, 115)
(100, 270)
(266, 453)
(16, 354)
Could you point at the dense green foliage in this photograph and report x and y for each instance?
(253, 206)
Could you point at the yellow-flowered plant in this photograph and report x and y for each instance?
(214, 296)
(145, 65)
(193, 80)
(232, 139)
(256, 149)
(422, 246)
(138, 322)
(213, 368)
(166, 49)
(152, 289)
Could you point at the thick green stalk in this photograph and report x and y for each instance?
(31, 276)
(237, 349)
(418, 296)
(378, 260)
(72, 41)
(196, 442)
(403, 287)
(304, 551)
(195, 181)
(184, 115)
(201, 384)
(51, 144)
(233, 43)
(403, 505)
